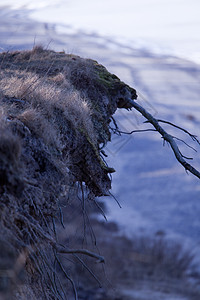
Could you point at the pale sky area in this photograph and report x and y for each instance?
(164, 26)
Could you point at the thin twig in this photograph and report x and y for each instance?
(88, 269)
(61, 217)
(101, 209)
(167, 137)
(56, 275)
(67, 276)
(138, 130)
(185, 143)
(116, 129)
(41, 272)
(80, 251)
(54, 228)
(115, 123)
(115, 199)
(49, 270)
(193, 137)
(92, 234)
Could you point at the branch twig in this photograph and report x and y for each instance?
(167, 137)
(88, 269)
(80, 251)
(67, 276)
(185, 143)
(193, 137)
(137, 130)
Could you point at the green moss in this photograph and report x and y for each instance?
(107, 79)
(94, 147)
(112, 84)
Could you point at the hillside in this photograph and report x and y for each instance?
(56, 117)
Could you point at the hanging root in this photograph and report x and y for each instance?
(80, 251)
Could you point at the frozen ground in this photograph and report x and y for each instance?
(155, 192)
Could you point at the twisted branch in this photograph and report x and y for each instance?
(167, 137)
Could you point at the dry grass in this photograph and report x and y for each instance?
(50, 133)
(46, 98)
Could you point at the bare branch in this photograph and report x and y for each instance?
(167, 137)
(185, 143)
(193, 137)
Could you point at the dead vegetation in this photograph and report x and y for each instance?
(135, 263)
(52, 128)
(55, 119)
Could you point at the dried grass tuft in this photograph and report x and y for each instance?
(48, 142)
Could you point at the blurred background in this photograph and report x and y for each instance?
(164, 26)
(154, 46)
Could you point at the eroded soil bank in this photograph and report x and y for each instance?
(56, 111)
(56, 117)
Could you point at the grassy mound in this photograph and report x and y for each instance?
(54, 121)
